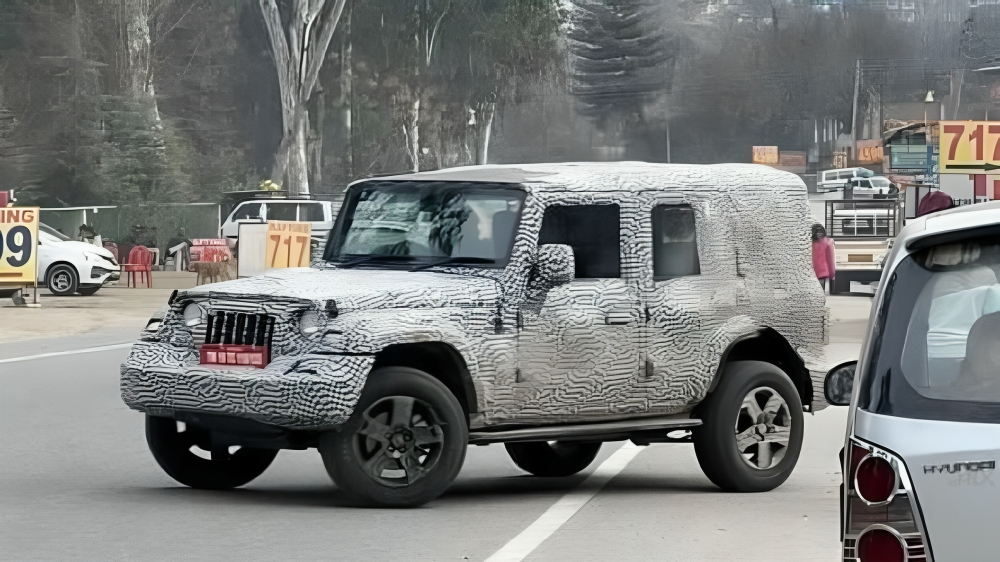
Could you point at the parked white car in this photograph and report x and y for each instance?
(832, 180)
(922, 441)
(67, 266)
(871, 186)
(256, 211)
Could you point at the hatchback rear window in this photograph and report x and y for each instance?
(937, 343)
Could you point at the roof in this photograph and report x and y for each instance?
(612, 176)
(960, 218)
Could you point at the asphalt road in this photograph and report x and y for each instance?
(78, 483)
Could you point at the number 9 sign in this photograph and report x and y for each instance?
(18, 245)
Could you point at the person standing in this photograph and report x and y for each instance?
(824, 256)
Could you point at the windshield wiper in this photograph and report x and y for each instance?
(455, 260)
(371, 258)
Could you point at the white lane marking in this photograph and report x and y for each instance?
(72, 352)
(522, 545)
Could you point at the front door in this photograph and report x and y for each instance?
(578, 343)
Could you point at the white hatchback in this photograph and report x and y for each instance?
(923, 434)
(67, 266)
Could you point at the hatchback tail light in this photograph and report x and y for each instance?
(879, 516)
(881, 545)
(875, 480)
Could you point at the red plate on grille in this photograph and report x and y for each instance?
(235, 354)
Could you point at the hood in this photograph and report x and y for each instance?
(78, 246)
(354, 289)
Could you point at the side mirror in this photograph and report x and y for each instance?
(839, 383)
(555, 265)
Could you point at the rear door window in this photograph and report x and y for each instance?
(594, 233)
(675, 242)
(311, 212)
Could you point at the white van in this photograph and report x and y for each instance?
(832, 180)
(320, 213)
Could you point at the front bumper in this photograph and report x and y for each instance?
(305, 392)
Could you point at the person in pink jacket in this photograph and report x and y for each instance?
(824, 256)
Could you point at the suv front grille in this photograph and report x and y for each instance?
(239, 328)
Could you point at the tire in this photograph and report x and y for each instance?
(725, 414)
(542, 458)
(88, 291)
(171, 449)
(383, 457)
(62, 280)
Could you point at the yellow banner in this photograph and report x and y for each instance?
(18, 245)
(969, 147)
(288, 244)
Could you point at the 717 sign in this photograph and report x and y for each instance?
(969, 147)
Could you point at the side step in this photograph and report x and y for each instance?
(645, 429)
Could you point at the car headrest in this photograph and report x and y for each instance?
(982, 349)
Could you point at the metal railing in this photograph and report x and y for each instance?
(864, 220)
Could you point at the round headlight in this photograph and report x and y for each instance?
(311, 322)
(194, 314)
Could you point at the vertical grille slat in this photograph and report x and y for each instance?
(262, 335)
(248, 335)
(241, 320)
(230, 325)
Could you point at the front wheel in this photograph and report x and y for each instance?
(404, 443)
(542, 458)
(752, 428)
(171, 446)
(62, 280)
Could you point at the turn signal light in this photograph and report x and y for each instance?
(875, 480)
(880, 545)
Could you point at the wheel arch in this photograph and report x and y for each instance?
(438, 359)
(769, 346)
(45, 277)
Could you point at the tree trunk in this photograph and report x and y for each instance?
(299, 49)
(411, 132)
(484, 127)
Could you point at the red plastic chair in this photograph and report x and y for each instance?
(140, 260)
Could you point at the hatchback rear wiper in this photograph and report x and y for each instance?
(451, 260)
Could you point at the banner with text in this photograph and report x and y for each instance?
(18, 245)
(969, 147)
(288, 244)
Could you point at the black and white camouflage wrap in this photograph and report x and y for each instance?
(590, 349)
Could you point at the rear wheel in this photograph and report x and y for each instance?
(544, 458)
(172, 443)
(752, 428)
(403, 445)
(62, 280)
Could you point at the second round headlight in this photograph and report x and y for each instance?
(311, 322)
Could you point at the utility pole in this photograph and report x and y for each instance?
(854, 112)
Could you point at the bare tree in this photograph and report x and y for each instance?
(299, 49)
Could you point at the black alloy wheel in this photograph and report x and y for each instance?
(404, 443)
(553, 458)
(752, 431)
(62, 280)
(171, 444)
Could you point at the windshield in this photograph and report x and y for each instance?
(427, 222)
(59, 236)
(937, 343)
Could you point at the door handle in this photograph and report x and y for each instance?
(618, 317)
